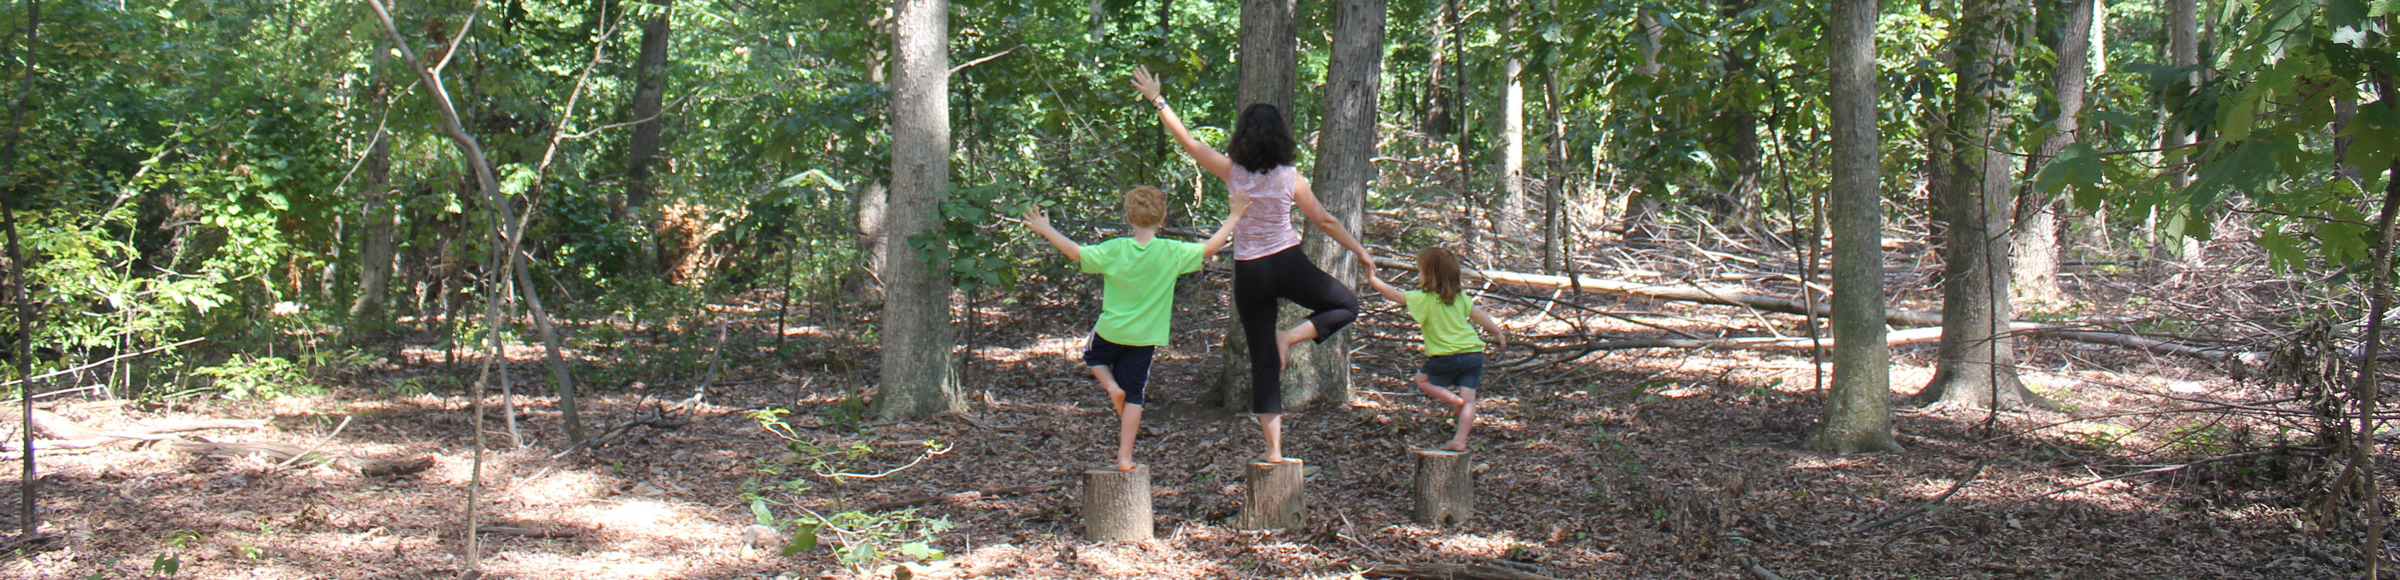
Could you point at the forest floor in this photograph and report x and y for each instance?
(1626, 464)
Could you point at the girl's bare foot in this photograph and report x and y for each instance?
(1270, 458)
(1124, 465)
(1455, 447)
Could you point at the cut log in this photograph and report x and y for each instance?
(1276, 499)
(1445, 487)
(1116, 504)
(1450, 572)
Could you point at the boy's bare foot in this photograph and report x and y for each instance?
(1455, 447)
(1116, 399)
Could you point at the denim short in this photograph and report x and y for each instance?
(1463, 370)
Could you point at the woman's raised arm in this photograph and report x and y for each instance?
(1209, 159)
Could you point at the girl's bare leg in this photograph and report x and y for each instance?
(1466, 421)
(1425, 383)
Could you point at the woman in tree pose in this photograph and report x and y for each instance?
(1268, 263)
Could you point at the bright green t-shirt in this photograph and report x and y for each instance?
(1449, 328)
(1137, 297)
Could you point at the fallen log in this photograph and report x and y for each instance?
(59, 432)
(1919, 326)
(365, 467)
(1450, 572)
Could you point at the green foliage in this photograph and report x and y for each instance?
(263, 378)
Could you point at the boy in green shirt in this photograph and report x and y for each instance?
(1453, 352)
(1137, 300)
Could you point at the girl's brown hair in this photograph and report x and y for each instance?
(1437, 269)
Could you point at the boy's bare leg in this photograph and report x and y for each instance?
(1116, 395)
(1129, 423)
(1271, 425)
(1284, 339)
(1466, 421)
(1451, 400)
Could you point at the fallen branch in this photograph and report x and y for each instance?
(659, 417)
(2162, 469)
(287, 453)
(1450, 572)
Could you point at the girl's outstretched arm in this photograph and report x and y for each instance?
(1216, 163)
(1484, 319)
(1034, 218)
(1386, 289)
(1306, 198)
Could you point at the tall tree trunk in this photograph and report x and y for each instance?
(1642, 207)
(2069, 25)
(919, 374)
(1977, 360)
(1737, 129)
(2183, 49)
(1470, 233)
(1270, 60)
(1554, 249)
(21, 349)
(1345, 168)
(1437, 88)
(375, 247)
(1512, 218)
(1857, 417)
(641, 148)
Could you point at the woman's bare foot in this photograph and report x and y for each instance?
(1283, 350)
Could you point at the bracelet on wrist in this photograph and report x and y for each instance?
(1161, 103)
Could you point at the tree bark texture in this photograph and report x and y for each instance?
(2036, 264)
(1345, 169)
(919, 376)
(649, 97)
(375, 245)
(21, 352)
(1976, 361)
(1277, 498)
(1857, 416)
(1437, 89)
(1116, 504)
(1554, 244)
(1269, 72)
(1511, 219)
(1444, 489)
(2183, 50)
(866, 275)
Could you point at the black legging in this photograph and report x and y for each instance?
(1287, 275)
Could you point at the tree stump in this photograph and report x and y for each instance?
(1116, 504)
(1445, 487)
(1277, 500)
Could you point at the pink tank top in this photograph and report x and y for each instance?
(1266, 228)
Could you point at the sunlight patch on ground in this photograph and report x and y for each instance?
(560, 488)
(586, 566)
(1152, 558)
(1474, 546)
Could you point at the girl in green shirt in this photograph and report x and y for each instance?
(1454, 353)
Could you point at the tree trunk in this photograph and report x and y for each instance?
(1270, 61)
(919, 375)
(1437, 89)
(649, 98)
(1345, 169)
(1116, 504)
(2183, 49)
(1737, 131)
(866, 276)
(1512, 131)
(2070, 24)
(1857, 417)
(375, 247)
(1443, 491)
(1554, 247)
(1976, 359)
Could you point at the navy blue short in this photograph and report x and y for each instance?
(1463, 370)
(1130, 365)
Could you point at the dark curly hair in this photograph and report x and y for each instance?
(1261, 140)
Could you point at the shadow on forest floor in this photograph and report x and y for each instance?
(1663, 464)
